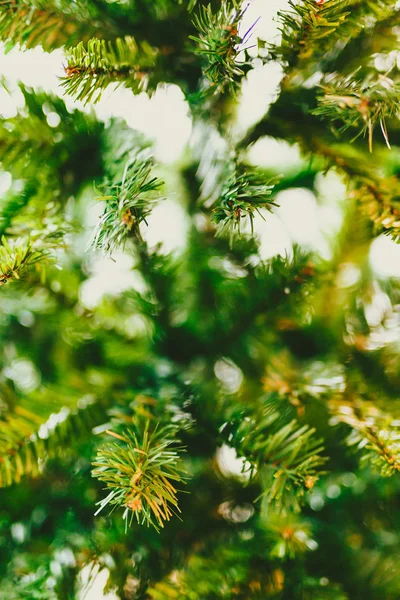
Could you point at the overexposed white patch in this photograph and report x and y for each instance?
(24, 375)
(18, 532)
(272, 235)
(167, 225)
(230, 464)
(307, 222)
(109, 276)
(377, 308)
(34, 67)
(91, 582)
(297, 210)
(267, 26)
(5, 182)
(348, 275)
(259, 90)
(275, 154)
(11, 100)
(229, 375)
(164, 117)
(384, 257)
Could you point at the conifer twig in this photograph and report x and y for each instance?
(16, 257)
(219, 43)
(127, 205)
(244, 193)
(92, 67)
(139, 475)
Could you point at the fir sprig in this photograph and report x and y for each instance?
(219, 44)
(49, 23)
(311, 28)
(27, 440)
(92, 67)
(285, 456)
(374, 433)
(229, 567)
(376, 195)
(245, 192)
(140, 471)
(16, 257)
(288, 535)
(360, 104)
(128, 203)
(305, 24)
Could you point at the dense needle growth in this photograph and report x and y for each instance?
(220, 420)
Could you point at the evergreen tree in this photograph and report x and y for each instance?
(226, 426)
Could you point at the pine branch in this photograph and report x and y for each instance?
(243, 570)
(306, 25)
(17, 148)
(375, 434)
(28, 141)
(139, 475)
(267, 285)
(360, 104)
(219, 44)
(284, 456)
(48, 23)
(378, 200)
(313, 29)
(245, 192)
(16, 257)
(27, 440)
(92, 68)
(288, 536)
(128, 204)
(367, 38)
(377, 196)
(120, 145)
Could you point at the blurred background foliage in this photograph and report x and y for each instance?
(210, 246)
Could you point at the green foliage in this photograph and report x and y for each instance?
(312, 30)
(307, 24)
(9, 208)
(287, 535)
(16, 257)
(219, 44)
(141, 474)
(360, 105)
(376, 195)
(244, 193)
(237, 575)
(375, 434)
(27, 440)
(285, 456)
(43, 174)
(128, 203)
(260, 365)
(92, 68)
(48, 23)
(33, 586)
(190, 4)
(200, 580)
(28, 138)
